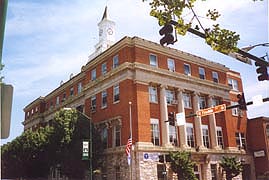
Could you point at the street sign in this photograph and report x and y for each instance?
(211, 110)
(180, 119)
(85, 150)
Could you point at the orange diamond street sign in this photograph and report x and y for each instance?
(212, 110)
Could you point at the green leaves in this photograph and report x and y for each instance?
(231, 166)
(182, 164)
(219, 39)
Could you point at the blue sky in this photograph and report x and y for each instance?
(46, 41)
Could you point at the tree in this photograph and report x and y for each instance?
(182, 165)
(222, 40)
(231, 166)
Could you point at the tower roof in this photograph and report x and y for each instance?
(105, 14)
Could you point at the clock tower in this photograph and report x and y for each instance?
(106, 35)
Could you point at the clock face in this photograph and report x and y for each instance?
(109, 31)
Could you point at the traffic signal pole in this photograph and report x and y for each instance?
(230, 107)
(239, 51)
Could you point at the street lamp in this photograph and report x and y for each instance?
(90, 145)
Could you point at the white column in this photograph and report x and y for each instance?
(182, 129)
(197, 122)
(212, 126)
(164, 117)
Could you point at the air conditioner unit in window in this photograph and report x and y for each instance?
(174, 102)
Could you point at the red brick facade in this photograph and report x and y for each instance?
(133, 76)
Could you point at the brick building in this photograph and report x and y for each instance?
(258, 144)
(156, 80)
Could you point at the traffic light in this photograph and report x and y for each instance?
(167, 31)
(242, 102)
(262, 71)
(171, 118)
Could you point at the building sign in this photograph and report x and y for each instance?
(150, 156)
(259, 153)
(180, 119)
(211, 110)
(85, 150)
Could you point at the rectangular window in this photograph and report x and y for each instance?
(215, 77)
(215, 101)
(235, 111)
(153, 94)
(64, 97)
(153, 60)
(79, 87)
(187, 69)
(202, 73)
(233, 84)
(173, 135)
(117, 135)
(71, 91)
(155, 132)
(57, 100)
(202, 102)
(104, 69)
(190, 135)
(240, 140)
(187, 100)
(170, 96)
(93, 103)
(104, 137)
(206, 139)
(220, 137)
(104, 99)
(213, 168)
(116, 93)
(115, 61)
(93, 74)
(171, 64)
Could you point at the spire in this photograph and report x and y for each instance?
(105, 14)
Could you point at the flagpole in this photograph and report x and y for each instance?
(131, 135)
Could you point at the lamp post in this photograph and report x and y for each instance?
(90, 139)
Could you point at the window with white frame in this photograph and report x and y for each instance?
(71, 91)
(155, 132)
(117, 135)
(116, 93)
(215, 101)
(93, 103)
(153, 97)
(215, 76)
(233, 84)
(79, 87)
(170, 96)
(115, 61)
(220, 137)
(235, 111)
(173, 135)
(171, 64)
(153, 60)
(240, 140)
(202, 102)
(206, 139)
(57, 100)
(187, 100)
(202, 73)
(213, 169)
(93, 74)
(104, 69)
(104, 137)
(104, 99)
(190, 135)
(187, 69)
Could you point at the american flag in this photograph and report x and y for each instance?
(128, 146)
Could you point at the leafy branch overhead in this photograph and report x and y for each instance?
(219, 39)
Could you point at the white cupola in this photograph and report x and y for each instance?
(106, 35)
